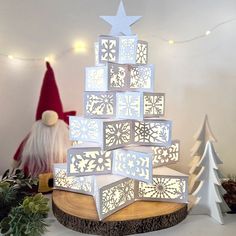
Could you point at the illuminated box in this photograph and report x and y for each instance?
(135, 165)
(83, 184)
(162, 156)
(99, 104)
(107, 134)
(168, 185)
(113, 192)
(139, 105)
(119, 49)
(83, 161)
(142, 53)
(152, 132)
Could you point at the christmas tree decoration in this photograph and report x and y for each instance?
(167, 185)
(209, 193)
(83, 184)
(47, 141)
(121, 137)
(202, 136)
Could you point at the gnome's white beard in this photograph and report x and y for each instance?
(45, 145)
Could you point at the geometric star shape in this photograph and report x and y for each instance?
(121, 22)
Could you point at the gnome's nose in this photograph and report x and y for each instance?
(49, 118)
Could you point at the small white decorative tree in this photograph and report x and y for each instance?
(209, 199)
(203, 135)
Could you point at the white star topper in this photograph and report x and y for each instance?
(121, 22)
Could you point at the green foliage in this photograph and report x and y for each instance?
(14, 186)
(28, 219)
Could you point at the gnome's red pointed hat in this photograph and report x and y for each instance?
(49, 100)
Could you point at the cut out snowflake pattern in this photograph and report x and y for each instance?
(128, 47)
(152, 132)
(142, 53)
(72, 183)
(108, 49)
(132, 164)
(166, 188)
(154, 105)
(117, 76)
(128, 105)
(166, 155)
(98, 104)
(82, 162)
(117, 196)
(96, 78)
(141, 77)
(117, 134)
(83, 129)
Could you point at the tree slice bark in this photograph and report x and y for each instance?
(78, 212)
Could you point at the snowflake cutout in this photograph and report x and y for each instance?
(117, 76)
(153, 105)
(166, 155)
(89, 162)
(166, 188)
(117, 196)
(142, 53)
(141, 77)
(117, 134)
(99, 104)
(108, 49)
(127, 53)
(128, 105)
(83, 129)
(132, 164)
(152, 132)
(96, 78)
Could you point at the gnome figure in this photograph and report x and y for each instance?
(48, 139)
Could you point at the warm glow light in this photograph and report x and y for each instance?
(10, 57)
(171, 41)
(50, 58)
(208, 32)
(80, 47)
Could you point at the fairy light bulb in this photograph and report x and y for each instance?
(50, 58)
(171, 41)
(10, 57)
(80, 47)
(207, 32)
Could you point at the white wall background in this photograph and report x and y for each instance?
(198, 77)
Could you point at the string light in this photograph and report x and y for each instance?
(50, 58)
(10, 57)
(81, 47)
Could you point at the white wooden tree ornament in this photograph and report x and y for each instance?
(202, 136)
(209, 192)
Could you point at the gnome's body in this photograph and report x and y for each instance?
(48, 139)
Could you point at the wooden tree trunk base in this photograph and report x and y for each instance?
(78, 212)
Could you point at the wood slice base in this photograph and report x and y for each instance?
(78, 212)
